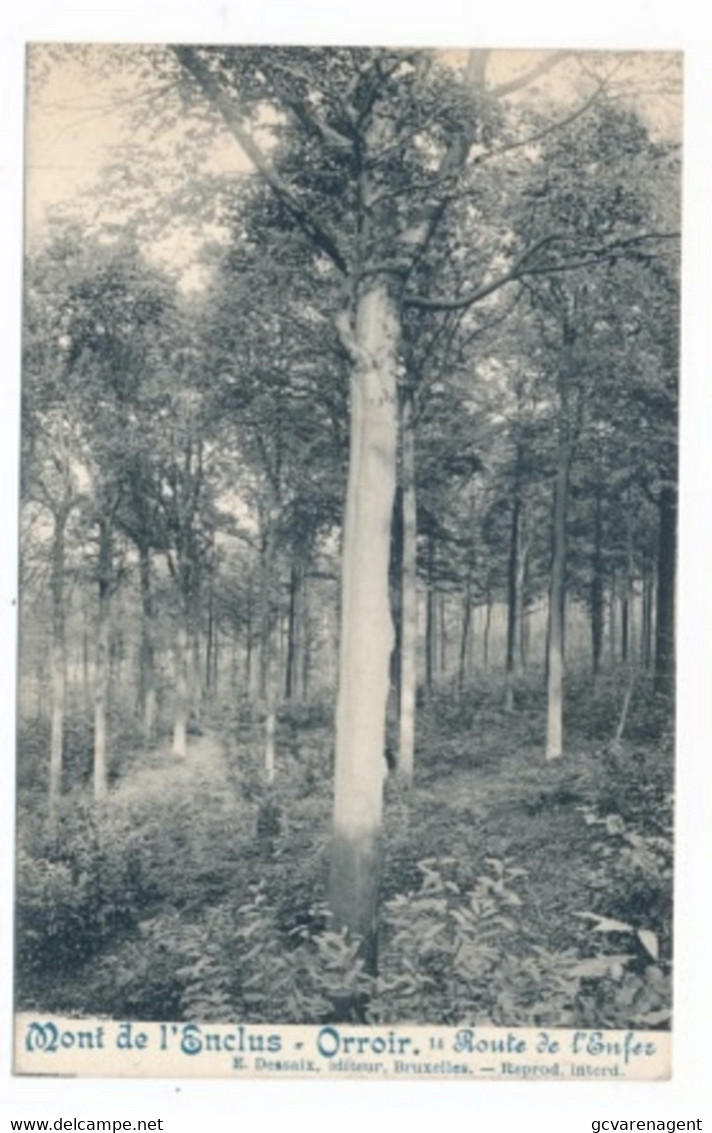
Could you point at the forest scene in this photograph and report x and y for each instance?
(348, 528)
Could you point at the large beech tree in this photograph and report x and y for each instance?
(381, 151)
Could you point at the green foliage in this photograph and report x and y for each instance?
(631, 880)
(594, 710)
(75, 893)
(441, 946)
(168, 903)
(232, 962)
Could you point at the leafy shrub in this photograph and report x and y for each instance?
(32, 758)
(82, 890)
(233, 962)
(594, 709)
(108, 865)
(631, 882)
(441, 946)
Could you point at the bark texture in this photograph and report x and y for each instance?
(101, 674)
(147, 685)
(665, 608)
(366, 627)
(409, 598)
(58, 667)
(557, 606)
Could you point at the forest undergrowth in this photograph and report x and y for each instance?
(515, 892)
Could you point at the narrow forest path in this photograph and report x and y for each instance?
(204, 767)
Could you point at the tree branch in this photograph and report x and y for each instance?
(539, 135)
(479, 293)
(317, 230)
(519, 270)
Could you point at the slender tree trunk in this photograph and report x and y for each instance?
(664, 677)
(195, 668)
(101, 671)
(180, 708)
(147, 681)
(210, 637)
(409, 596)
(647, 618)
(40, 687)
(86, 683)
(512, 595)
(267, 660)
(465, 635)
(183, 660)
(524, 632)
(430, 617)
(291, 665)
(628, 643)
(306, 637)
(366, 627)
(471, 643)
(522, 585)
(58, 668)
(612, 618)
(524, 604)
(217, 647)
(557, 604)
(248, 644)
(395, 590)
(233, 660)
(488, 623)
(597, 584)
(443, 635)
(625, 610)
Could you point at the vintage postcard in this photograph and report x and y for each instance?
(348, 531)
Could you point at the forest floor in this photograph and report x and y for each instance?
(179, 838)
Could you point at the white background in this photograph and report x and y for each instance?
(557, 1108)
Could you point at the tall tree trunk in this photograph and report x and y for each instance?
(58, 667)
(465, 635)
(625, 613)
(305, 634)
(627, 636)
(395, 590)
(522, 590)
(233, 660)
(597, 583)
(180, 707)
(664, 678)
(488, 623)
(524, 602)
(512, 595)
(409, 596)
(86, 683)
(443, 635)
(646, 641)
(557, 604)
(183, 658)
(267, 659)
(101, 671)
(217, 646)
(248, 644)
(210, 636)
(366, 627)
(612, 619)
(430, 617)
(195, 668)
(291, 664)
(147, 680)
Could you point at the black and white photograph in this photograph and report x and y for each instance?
(348, 534)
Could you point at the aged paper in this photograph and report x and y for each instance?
(348, 550)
